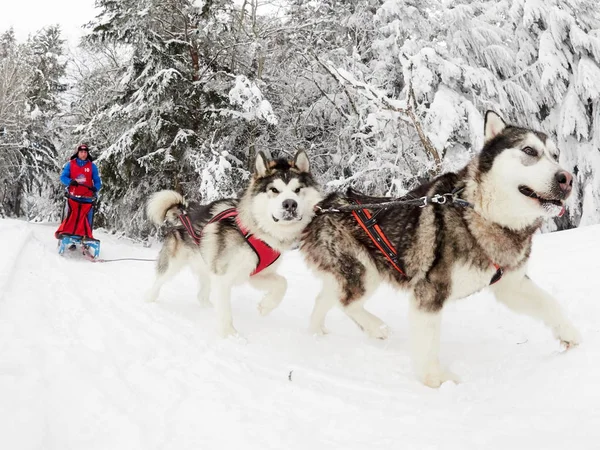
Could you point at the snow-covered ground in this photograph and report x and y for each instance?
(85, 363)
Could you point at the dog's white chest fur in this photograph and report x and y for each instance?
(467, 280)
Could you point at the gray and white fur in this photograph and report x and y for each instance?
(275, 207)
(448, 252)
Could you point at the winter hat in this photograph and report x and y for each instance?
(82, 147)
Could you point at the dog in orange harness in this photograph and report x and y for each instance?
(447, 239)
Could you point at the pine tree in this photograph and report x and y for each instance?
(559, 47)
(31, 75)
(382, 93)
(13, 88)
(173, 115)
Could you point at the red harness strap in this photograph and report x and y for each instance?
(497, 275)
(373, 230)
(266, 255)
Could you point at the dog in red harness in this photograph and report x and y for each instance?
(232, 241)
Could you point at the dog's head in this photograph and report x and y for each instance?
(283, 193)
(521, 180)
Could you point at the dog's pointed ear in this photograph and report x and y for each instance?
(260, 165)
(301, 161)
(493, 125)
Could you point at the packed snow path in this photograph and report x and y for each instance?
(85, 363)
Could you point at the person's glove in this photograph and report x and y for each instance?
(73, 183)
(93, 189)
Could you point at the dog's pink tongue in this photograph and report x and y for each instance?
(562, 211)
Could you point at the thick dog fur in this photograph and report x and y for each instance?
(448, 252)
(276, 206)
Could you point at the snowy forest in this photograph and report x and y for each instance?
(382, 94)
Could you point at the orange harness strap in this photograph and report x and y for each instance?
(373, 230)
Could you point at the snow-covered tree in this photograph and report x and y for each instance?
(559, 59)
(383, 94)
(180, 106)
(30, 77)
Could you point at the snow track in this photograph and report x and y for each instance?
(85, 363)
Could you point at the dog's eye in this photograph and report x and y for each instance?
(555, 157)
(274, 190)
(529, 151)
(297, 190)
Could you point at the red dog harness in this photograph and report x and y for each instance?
(266, 255)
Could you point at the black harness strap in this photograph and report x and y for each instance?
(498, 275)
(187, 223)
(441, 199)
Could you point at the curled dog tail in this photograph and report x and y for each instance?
(165, 206)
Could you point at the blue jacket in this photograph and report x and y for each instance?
(65, 176)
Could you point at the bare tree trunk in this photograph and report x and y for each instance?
(17, 203)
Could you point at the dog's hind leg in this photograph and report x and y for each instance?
(523, 296)
(355, 294)
(221, 286)
(326, 300)
(202, 273)
(372, 325)
(166, 267)
(204, 291)
(275, 286)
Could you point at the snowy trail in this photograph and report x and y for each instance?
(98, 368)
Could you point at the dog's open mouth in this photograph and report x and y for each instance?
(287, 218)
(548, 203)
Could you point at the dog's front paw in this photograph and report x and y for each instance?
(379, 332)
(267, 304)
(435, 378)
(204, 302)
(238, 339)
(318, 330)
(568, 335)
(227, 331)
(150, 296)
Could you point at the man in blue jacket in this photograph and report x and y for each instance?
(81, 175)
(74, 173)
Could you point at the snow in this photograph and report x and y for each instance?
(85, 363)
(248, 96)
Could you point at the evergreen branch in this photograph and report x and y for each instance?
(324, 94)
(523, 72)
(389, 104)
(425, 141)
(335, 76)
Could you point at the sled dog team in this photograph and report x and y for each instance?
(474, 232)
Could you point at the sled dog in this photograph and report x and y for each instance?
(274, 209)
(447, 251)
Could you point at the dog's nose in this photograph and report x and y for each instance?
(564, 180)
(290, 205)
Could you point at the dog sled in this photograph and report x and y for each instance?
(75, 230)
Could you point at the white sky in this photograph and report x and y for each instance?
(28, 16)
